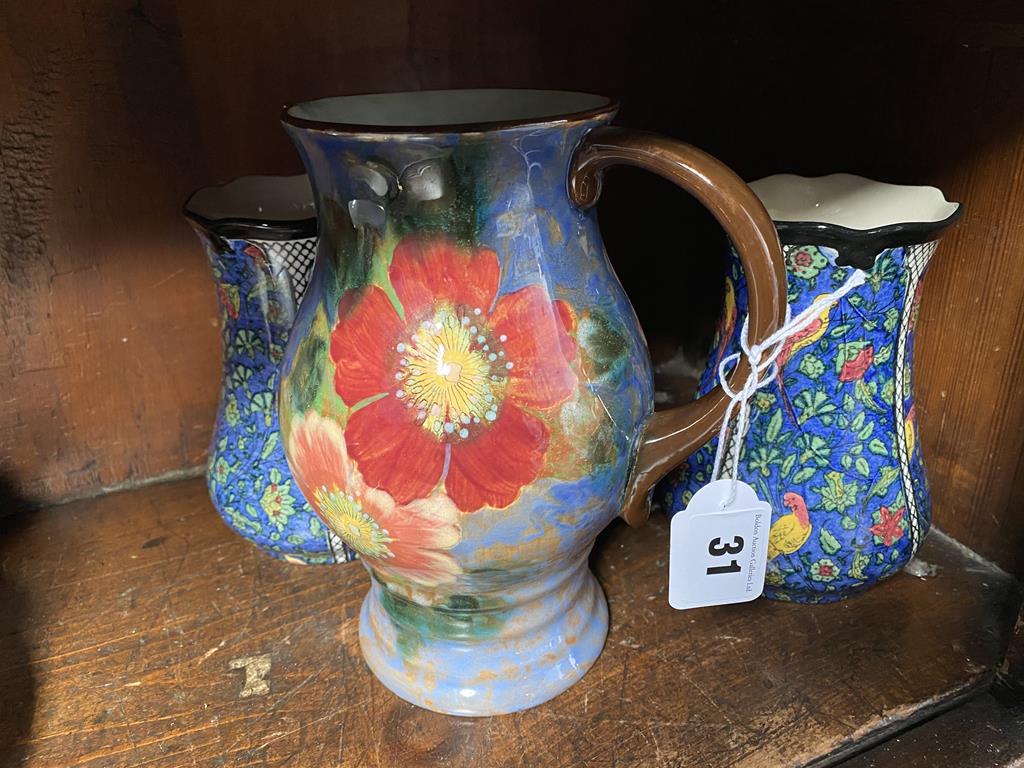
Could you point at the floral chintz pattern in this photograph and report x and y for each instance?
(248, 477)
(832, 440)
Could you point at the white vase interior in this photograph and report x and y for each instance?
(448, 108)
(849, 201)
(257, 198)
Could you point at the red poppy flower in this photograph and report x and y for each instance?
(888, 528)
(458, 377)
(855, 367)
(406, 540)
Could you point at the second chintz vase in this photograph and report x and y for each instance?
(833, 440)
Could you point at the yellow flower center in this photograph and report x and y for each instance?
(344, 514)
(452, 373)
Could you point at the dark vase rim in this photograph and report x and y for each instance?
(245, 227)
(858, 247)
(607, 109)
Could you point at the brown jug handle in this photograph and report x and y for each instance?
(671, 435)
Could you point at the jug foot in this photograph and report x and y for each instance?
(480, 656)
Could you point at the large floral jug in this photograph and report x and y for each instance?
(467, 397)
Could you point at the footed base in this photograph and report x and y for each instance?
(483, 655)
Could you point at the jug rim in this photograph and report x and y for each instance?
(230, 210)
(430, 105)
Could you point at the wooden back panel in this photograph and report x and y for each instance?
(112, 112)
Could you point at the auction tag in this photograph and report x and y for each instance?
(717, 555)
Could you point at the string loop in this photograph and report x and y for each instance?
(764, 368)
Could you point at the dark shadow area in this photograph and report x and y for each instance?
(17, 684)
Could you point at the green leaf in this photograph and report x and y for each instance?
(838, 331)
(774, 426)
(804, 474)
(883, 354)
(315, 526)
(888, 392)
(847, 522)
(892, 318)
(886, 478)
(787, 465)
(878, 448)
(858, 421)
(866, 431)
(848, 403)
(812, 403)
(814, 449)
(829, 544)
(837, 494)
(862, 467)
(846, 461)
(811, 366)
(269, 445)
(860, 562)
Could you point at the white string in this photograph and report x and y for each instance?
(762, 373)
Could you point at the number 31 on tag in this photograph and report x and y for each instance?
(717, 554)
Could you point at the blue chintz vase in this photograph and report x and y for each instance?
(259, 233)
(832, 443)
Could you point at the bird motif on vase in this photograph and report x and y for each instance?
(790, 531)
(802, 338)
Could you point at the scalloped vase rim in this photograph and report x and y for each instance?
(268, 206)
(854, 203)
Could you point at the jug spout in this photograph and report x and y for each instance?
(379, 171)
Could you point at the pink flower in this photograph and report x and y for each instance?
(855, 367)
(888, 528)
(408, 540)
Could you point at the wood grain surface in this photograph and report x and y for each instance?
(111, 111)
(141, 632)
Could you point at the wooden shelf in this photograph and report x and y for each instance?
(126, 617)
(981, 734)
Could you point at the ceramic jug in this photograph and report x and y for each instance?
(467, 397)
(259, 233)
(833, 441)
